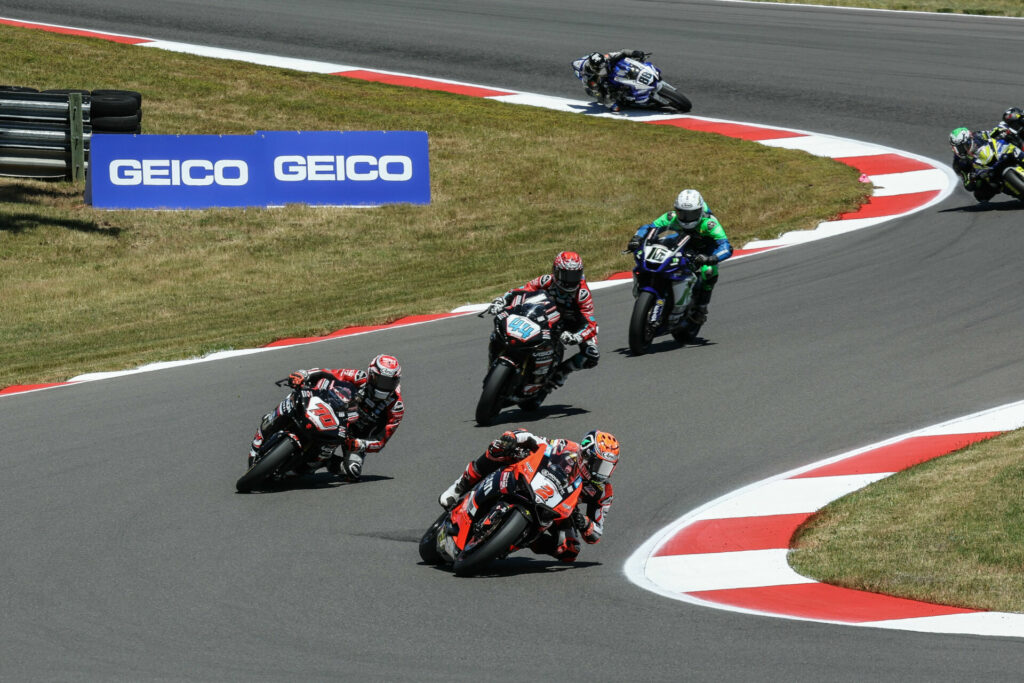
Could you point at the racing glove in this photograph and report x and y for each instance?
(513, 439)
(497, 305)
(700, 260)
(570, 338)
(298, 378)
(634, 243)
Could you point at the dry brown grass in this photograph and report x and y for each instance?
(87, 290)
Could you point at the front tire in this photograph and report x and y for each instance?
(677, 100)
(641, 332)
(259, 474)
(490, 399)
(497, 543)
(428, 544)
(1016, 184)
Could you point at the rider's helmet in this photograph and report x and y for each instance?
(383, 376)
(689, 208)
(567, 272)
(1014, 119)
(600, 451)
(963, 142)
(593, 64)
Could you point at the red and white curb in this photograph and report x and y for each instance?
(731, 553)
(903, 183)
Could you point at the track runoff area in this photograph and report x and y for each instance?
(730, 553)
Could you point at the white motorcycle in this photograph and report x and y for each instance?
(636, 83)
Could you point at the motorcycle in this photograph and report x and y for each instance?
(998, 160)
(506, 511)
(524, 351)
(660, 263)
(307, 423)
(637, 83)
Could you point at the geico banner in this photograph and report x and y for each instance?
(269, 168)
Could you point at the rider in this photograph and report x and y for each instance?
(598, 453)
(568, 290)
(597, 70)
(374, 412)
(1011, 128)
(965, 146)
(691, 216)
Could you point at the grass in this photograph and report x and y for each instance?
(1000, 8)
(949, 531)
(87, 290)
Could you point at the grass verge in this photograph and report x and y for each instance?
(1000, 8)
(949, 531)
(87, 290)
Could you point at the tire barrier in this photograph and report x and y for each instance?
(39, 137)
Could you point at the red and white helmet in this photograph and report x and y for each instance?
(568, 272)
(383, 376)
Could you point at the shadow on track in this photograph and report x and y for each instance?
(666, 344)
(985, 207)
(516, 566)
(317, 480)
(555, 410)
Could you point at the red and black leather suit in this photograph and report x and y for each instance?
(595, 499)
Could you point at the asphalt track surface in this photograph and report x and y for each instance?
(127, 555)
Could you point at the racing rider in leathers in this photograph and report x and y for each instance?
(596, 72)
(966, 144)
(1011, 128)
(374, 412)
(598, 453)
(692, 216)
(568, 289)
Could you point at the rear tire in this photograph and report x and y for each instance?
(677, 100)
(497, 543)
(1016, 184)
(490, 399)
(640, 332)
(428, 544)
(259, 474)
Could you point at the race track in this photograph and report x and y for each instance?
(129, 557)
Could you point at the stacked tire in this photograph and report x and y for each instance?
(115, 111)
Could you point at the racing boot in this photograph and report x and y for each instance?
(453, 493)
(699, 312)
(353, 466)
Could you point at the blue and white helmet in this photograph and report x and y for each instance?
(689, 208)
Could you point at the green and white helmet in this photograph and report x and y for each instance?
(962, 141)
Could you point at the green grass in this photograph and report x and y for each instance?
(87, 290)
(1002, 8)
(949, 531)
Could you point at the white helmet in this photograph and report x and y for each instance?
(689, 208)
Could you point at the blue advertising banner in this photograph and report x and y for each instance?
(269, 168)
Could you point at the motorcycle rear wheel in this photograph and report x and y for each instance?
(497, 543)
(428, 544)
(641, 334)
(259, 474)
(490, 399)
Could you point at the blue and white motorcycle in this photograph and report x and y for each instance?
(663, 282)
(635, 83)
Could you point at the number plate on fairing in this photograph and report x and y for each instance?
(321, 415)
(655, 253)
(521, 328)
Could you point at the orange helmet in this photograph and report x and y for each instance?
(600, 454)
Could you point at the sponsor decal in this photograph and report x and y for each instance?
(268, 168)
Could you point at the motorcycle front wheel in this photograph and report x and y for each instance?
(259, 474)
(497, 543)
(490, 399)
(1013, 179)
(428, 544)
(641, 332)
(677, 100)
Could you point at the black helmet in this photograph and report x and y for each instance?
(1014, 119)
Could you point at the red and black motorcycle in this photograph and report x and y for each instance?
(506, 511)
(309, 422)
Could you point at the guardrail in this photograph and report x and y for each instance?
(47, 134)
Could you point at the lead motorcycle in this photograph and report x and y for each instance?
(308, 423)
(506, 511)
(1001, 161)
(636, 83)
(524, 351)
(663, 282)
